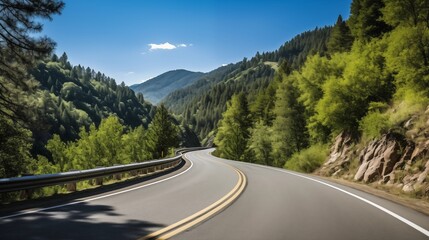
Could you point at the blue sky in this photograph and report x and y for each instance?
(134, 40)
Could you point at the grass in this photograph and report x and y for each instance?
(273, 65)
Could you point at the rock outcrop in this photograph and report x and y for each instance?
(379, 158)
(396, 159)
(339, 157)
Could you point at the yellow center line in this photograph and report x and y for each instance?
(203, 214)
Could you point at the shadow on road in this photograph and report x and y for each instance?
(59, 199)
(79, 221)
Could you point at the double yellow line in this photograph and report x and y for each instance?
(204, 214)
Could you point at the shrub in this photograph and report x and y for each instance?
(374, 124)
(308, 159)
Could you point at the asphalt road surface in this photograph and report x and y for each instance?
(275, 204)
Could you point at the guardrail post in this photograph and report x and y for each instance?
(99, 180)
(117, 176)
(134, 172)
(71, 186)
(27, 193)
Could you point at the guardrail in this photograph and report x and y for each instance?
(185, 150)
(72, 177)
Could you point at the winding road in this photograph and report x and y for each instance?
(213, 198)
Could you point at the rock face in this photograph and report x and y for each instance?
(339, 157)
(379, 158)
(395, 159)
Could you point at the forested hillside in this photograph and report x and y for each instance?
(370, 88)
(204, 101)
(71, 97)
(157, 88)
(56, 116)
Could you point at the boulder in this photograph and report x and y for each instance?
(408, 188)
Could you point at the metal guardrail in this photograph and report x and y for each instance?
(45, 180)
(37, 181)
(185, 150)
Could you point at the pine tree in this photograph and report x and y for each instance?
(366, 19)
(341, 39)
(20, 49)
(289, 127)
(234, 129)
(162, 133)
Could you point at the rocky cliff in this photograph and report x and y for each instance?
(398, 159)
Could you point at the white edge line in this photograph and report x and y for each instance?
(400, 218)
(96, 198)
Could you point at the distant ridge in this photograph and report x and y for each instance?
(155, 89)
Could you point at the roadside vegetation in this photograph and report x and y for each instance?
(373, 76)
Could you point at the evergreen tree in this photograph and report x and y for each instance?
(162, 133)
(289, 127)
(20, 49)
(366, 20)
(234, 129)
(341, 39)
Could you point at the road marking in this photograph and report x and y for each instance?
(398, 217)
(96, 198)
(203, 214)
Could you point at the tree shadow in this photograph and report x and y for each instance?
(78, 221)
(59, 199)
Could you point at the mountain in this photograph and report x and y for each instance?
(157, 88)
(72, 97)
(203, 102)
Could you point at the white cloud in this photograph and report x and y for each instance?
(166, 46)
(129, 73)
(162, 46)
(223, 65)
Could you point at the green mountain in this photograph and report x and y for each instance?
(157, 88)
(72, 97)
(203, 102)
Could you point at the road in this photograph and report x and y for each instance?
(275, 204)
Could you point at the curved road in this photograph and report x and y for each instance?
(275, 204)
